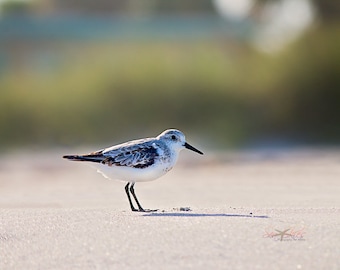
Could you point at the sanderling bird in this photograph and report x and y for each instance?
(139, 160)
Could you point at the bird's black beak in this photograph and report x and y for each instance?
(186, 145)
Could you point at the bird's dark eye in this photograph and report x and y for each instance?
(173, 137)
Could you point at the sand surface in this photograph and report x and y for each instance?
(56, 214)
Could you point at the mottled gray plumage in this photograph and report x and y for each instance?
(135, 154)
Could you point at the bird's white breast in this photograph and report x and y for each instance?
(132, 174)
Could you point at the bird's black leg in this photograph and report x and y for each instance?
(132, 190)
(129, 197)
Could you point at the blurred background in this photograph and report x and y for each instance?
(230, 74)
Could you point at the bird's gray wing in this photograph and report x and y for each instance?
(132, 155)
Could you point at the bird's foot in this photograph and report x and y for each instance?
(144, 210)
(150, 210)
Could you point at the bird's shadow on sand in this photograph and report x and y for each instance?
(155, 214)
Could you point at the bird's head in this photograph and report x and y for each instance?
(176, 139)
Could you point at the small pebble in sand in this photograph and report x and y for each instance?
(185, 209)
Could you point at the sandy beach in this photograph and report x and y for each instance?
(239, 210)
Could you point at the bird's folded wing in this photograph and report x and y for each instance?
(137, 156)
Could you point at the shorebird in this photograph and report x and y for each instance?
(139, 160)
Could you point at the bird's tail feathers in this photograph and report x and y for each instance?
(90, 157)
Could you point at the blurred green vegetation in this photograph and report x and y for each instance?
(217, 90)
